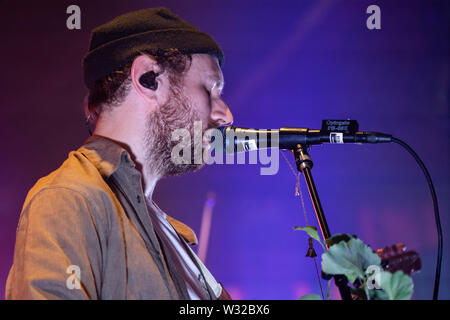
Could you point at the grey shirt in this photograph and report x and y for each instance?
(85, 233)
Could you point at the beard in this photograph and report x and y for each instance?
(176, 113)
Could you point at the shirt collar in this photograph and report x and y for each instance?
(107, 155)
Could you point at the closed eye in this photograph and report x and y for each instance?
(208, 92)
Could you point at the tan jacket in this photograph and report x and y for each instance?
(91, 214)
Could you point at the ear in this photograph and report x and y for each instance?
(143, 64)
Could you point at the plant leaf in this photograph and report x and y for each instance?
(310, 297)
(338, 260)
(349, 258)
(378, 295)
(398, 286)
(312, 232)
(328, 290)
(338, 237)
(363, 254)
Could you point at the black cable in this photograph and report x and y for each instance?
(318, 278)
(436, 214)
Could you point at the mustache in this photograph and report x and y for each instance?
(212, 124)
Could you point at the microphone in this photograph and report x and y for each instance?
(333, 131)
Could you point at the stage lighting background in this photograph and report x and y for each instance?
(290, 63)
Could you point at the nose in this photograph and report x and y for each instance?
(221, 114)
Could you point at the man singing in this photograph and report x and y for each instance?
(90, 230)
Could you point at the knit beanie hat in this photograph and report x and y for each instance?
(119, 41)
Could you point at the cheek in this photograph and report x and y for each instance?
(164, 94)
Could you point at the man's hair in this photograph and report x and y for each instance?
(111, 90)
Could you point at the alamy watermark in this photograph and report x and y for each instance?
(74, 20)
(74, 280)
(373, 22)
(373, 277)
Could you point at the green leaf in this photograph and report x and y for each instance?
(310, 297)
(312, 232)
(336, 238)
(363, 254)
(378, 295)
(328, 290)
(398, 286)
(349, 258)
(338, 260)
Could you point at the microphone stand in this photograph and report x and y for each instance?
(304, 165)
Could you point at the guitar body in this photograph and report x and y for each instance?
(396, 258)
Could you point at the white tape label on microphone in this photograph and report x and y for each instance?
(336, 137)
(250, 145)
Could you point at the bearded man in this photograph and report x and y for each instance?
(90, 230)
